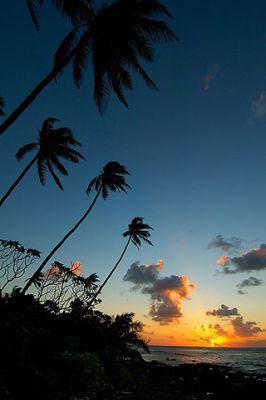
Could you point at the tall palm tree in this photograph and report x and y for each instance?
(137, 231)
(52, 144)
(115, 37)
(112, 178)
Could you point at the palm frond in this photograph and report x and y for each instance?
(32, 6)
(81, 57)
(48, 123)
(95, 183)
(149, 7)
(66, 46)
(41, 170)
(58, 165)
(76, 10)
(56, 179)
(24, 150)
(156, 31)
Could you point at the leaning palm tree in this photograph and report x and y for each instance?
(112, 178)
(52, 144)
(116, 38)
(137, 231)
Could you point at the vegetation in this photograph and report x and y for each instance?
(137, 231)
(52, 144)
(50, 354)
(115, 38)
(56, 345)
(112, 178)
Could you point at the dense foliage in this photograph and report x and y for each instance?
(50, 354)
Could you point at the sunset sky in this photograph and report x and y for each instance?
(196, 154)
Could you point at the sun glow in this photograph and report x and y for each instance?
(210, 335)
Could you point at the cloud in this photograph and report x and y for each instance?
(213, 334)
(223, 311)
(223, 260)
(245, 329)
(225, 244)
(253, 260)
(166, 293)
(213, 73)
(251, 281)
(258, 107)
(143, 274)
(76, 268)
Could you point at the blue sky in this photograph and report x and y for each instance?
(195, 151)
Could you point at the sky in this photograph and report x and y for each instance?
(195, 151)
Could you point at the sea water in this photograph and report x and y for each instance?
(245, 359)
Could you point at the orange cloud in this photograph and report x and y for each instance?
(166, 293)
(223, 260)
(76, 268)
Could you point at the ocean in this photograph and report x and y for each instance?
(244, 359)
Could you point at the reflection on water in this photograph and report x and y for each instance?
(247, 359)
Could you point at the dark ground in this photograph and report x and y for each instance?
(193, 382)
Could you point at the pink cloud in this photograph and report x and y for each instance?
(223, 260)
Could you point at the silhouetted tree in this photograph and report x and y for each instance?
(137, 231)
(112, 178)
(14, 261)
(116, 37)
(61, 285)
(52, 144)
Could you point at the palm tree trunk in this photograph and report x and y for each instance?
(110, 274)
(36, 91)
(19, 178)
(50, 255)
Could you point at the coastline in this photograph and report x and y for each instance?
(156, 380)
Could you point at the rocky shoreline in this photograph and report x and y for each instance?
(154, 380)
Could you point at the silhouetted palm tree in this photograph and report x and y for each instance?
(127, 331)
(137, 231)
(112, 178)
(70, 8)
(52, 144)
(116, 38)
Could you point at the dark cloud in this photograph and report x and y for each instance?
(143, 274)
(251, 281)
(253, 260)
(223, 311)
(165, 310)
(166, 293)
(245, 329)
(225, 244)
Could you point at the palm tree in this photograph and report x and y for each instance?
(52, 144)
(137, 231)
(112, 178)
(115, 37)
